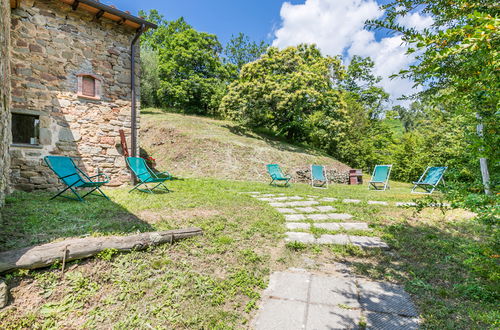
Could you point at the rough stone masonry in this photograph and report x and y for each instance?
(4, 116)
(4, 97)
(51, 46)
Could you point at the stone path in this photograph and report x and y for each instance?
(274, 198)
(333, 299)
(297, 210)
(338, 239)
(317, 217)
(297, 203)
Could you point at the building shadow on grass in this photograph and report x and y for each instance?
(31, 219)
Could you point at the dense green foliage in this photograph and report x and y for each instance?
(150, 79)
(290, 92)
(240, 50)
(367, 137)
(191, 74)
(308, 98)
(188, 70)
(459, 64)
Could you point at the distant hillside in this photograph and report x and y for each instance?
(194, 146)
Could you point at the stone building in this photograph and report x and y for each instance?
(70, 88)
(4, 97)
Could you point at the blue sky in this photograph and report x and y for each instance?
(336, 26)
(257, 18)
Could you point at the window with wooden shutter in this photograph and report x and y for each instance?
(88, 86)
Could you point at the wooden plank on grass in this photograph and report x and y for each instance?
(78, 248)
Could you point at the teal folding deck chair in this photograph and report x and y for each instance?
(429, 180)
(318, 174)
(276, 174)
(146, 176)
(380, 177)
(74, 178)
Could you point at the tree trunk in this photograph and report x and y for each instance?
(77, 248)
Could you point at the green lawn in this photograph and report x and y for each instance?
(215, 281)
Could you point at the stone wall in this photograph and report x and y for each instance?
(4, 97)
(51, 45)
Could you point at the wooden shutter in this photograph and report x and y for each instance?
(88, 86)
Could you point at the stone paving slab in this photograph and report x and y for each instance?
(297, 225)
(339, 239)
(286, 210)
(348, 200)
(339, 216)
(386, 298)
(383, 321)
(328, 225)
(308, 209)
(297, 299)
(289, 285)
(313, 209)
(343, 225)
(305, 238)
(280, 199)
(326, 208)
(270, 195)
(318, 216)
(329, 199)
(377, 203)
(320, 317)
(277, 314)
(335, 291)
(293, 204)
(355, 226)
(294, 217)
(368, 242)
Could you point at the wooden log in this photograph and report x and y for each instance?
(78, 248)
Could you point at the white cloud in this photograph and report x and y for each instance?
(338, 27)
(415, 20)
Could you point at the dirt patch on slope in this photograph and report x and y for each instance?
(206, 148)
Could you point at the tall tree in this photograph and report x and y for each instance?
(240, 50)
(366, 135)
(192, 76)
(290, 92)
(362, 83)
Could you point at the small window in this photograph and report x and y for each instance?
(25, 128)
(89, 86)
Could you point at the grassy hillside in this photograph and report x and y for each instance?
(193, 146)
